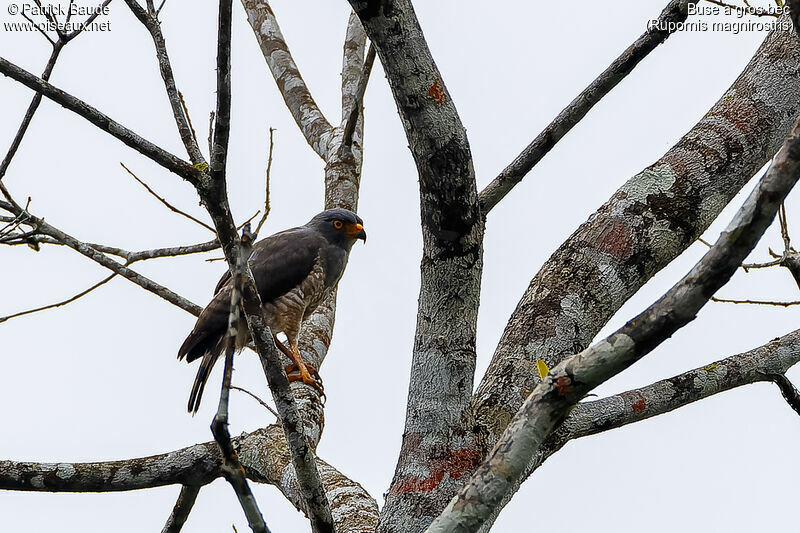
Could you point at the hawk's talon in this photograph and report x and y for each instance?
(301, 373)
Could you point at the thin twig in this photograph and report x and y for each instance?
(754, 302)
(32, 107)
(188, 117)
(748, 266)
(248, 221)
(69, 10)
(358, 102)
(63, 302)
(130, 257)
(96, 13)
(48, 13)
(165, 202)
(784, 225)
(210, 133)
(39, 29)
(264, 404)
(266, 187)
(183, 506)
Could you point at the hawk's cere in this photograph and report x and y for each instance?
(294, 271)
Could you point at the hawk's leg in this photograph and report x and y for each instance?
(299, 369)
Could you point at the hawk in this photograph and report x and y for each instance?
(294, 271)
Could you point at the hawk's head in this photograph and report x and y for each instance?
(339, 226)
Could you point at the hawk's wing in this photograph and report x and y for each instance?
(279, 263)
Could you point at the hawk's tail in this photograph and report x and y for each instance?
(206, 364)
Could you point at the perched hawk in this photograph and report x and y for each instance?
(294, 271)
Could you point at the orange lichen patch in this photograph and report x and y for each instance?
(639, 405)
(615, 239)
(563, 385)
(416, 484)
(437, 92)
(461, 462)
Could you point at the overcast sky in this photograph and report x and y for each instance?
(98, 380)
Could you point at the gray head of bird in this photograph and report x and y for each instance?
(339, 226)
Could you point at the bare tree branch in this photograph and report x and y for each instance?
(266, 185)
(754, 302)
(132, 257)
(675, 12)
(436, 449)
(106, 124)
(358, 102)
(150, 21)
(164, 200)
(183, 506)
(32, 107)
(567, 383)
(263, 404)
(195, 465)
(301, 104)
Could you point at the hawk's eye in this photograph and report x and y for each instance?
(337, 224)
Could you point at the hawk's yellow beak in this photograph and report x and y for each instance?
(357, 230)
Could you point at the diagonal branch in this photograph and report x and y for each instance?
(32, 107)
(676, 12)
(164, 200)
(105, 123)
(315, 127)
(183, 506)
(150, 21)
(567, 383)
(358, 101)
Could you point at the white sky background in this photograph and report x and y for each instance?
(98, 380)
